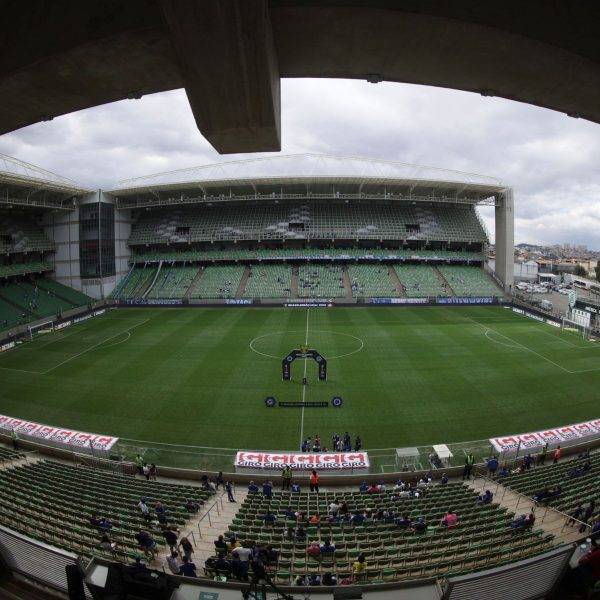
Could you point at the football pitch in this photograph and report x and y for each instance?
(407, 376)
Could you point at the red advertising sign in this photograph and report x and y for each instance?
(302, 461)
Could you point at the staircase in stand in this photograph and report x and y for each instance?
(444, 282)
(396, 281)
(243, 281)
(193, 284)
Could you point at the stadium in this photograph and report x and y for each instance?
(331, 314)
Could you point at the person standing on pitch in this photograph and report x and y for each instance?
(469, 462)
(286, 478)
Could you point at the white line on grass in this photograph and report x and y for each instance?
(530, 350)
(21, 370)
(562, 339)
(64, 362)
(303, 386)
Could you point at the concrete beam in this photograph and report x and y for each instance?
(230, 71)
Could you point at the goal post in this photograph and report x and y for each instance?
(46, 327)
(576, 327)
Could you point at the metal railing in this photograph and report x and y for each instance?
(206, 515)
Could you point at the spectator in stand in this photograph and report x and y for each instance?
(314, 549)
(104, 524)
(191, 506)
(233, 543)
(244, 554)
(252, 488)
(334, 507)
(300, 533)
(328, 579)
(363, 487)
(289, 514)
(146, 471)
(187, 568)
(327, 547)
(575, 515)
(219, 479)
(485, 498)
(239, 568)
(450, 520)
(314, 482)
(269, 517)
(373, 488)
(94, 520)
(404, 522)
(107, 545)
(527, 461)
(420, 526)
(557, 455)
(220, 545)
(444, 479)
(173, 562)
(229, 490)
(147, 544)
(587, 514)
(295, 487)
(153, 472)
(591, 562)
(357, 444)
(492, 466)
(519, 522)
(360, 567)
(186, 548)
(315, 519)
(144, 508)
(267, 489)
(170, 536)
(138, 565)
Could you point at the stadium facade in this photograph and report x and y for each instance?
(91, 238)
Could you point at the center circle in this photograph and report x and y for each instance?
(330, 344)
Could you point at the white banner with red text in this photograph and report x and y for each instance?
(559, 435)
(57, 436)
(302, 460)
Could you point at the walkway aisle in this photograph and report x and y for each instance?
(548, 519)
(214, 518)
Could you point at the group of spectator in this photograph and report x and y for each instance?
(338, 444)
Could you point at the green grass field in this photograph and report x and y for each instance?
(408, 376)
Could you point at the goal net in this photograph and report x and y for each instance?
(576, 327)
(40, 328)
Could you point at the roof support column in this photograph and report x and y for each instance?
(505, 238)
(230, 70)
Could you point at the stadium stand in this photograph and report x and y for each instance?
(329, 221)
(53, 502)
(173, 282)
(575, 488)
(273, 254)
(371, 281)
(36, 299)
(420, 281)
(20, 234)
(320, 281)
(15, 269)
(269, 281)
(218, 282)
(469, 281)
(483, 536)
(136, 282)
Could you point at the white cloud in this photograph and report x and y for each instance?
(550, 160)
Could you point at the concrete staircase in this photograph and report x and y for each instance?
(193, 284)
(444, 282)
(346, 280)
(396, 281)
(243, 281)
(294, 285)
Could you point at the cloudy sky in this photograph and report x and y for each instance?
(552, 161)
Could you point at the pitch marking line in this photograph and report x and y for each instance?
(522, 346)
(560, 338)
(112, 337)
(304, 387)
(21, 371)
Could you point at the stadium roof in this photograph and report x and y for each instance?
(19, 173)
(59, 57)
(313, 172)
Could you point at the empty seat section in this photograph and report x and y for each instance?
(419, 281)
(469, 281)
(371, 281)
(269, 281)
(218, 282)
(173, 282)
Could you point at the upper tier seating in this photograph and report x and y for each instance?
(52, 502)
(314, 220)
(371, 281)
(218, 282)
(469, 281)
(20, 234)
(420, 281)
(269, 281)
(14, 269)
(320, 281)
